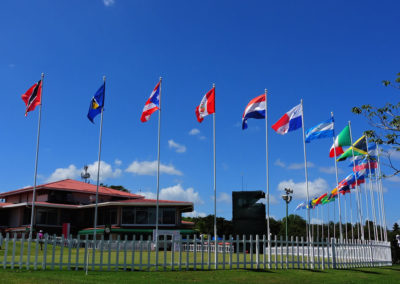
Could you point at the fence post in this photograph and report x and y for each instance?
(125, 241)
(244, 251)
(230, 251)
(237, 252)
(133, 252)
(297, 248)
(194, 251)
(28, 259)
(5, 252)
(101, 252)
(264, 251)
(202, 251)
(13, 251)
(61, 251)
(21, 251)
(36, 253)
(372, 253)
(333, 253)
(44, 260)
(117, 253)
(173, 252)
(257, 252)
(69, 251)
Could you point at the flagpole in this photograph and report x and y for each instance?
(357, 191)
(381, 193)
(345, 214)
(379, 207)
(98, 174)
(158, 174)
(267, 174)
(36, 162)
(337, 181)
(215, 194)
(371, 192)
(366, 209)
(306, 172)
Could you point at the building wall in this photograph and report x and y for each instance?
(15, 217)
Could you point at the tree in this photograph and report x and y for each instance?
(386, 123)
(116, 187)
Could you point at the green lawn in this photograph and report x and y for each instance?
(364, 275)
(55, 254)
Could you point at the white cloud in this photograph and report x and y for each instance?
(224, 198)
(279, 163)
(316, 221)
(329, 170)
(72, 172)
(393, 179)
(194, 131)
(300, 166)
(149, 168)
(118, 162)
(194, 214)
(106, 171)
(177, 147)
(108, 3)
(176, 193)
(315, 187)
(272, 200)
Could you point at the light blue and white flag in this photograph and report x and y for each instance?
(322, 130)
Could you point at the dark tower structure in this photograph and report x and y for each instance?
(248, 213)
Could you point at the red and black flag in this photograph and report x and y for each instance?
(33, 97)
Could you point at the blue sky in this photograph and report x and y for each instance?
(331, 54)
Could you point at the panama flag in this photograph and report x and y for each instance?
(322, 130)
(255, 109)
(152, 104)
(289, 121)
(207, 105)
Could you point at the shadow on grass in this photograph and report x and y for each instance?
(364, 271)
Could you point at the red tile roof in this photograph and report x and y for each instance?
(154, 201)
(77, 186)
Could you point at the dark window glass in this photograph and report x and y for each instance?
(142, 216)
(168, 216)
(128, 215)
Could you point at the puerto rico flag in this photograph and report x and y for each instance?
(33, 97)
(255, 109)
(289, 121)
(152, 104)
(207, 105)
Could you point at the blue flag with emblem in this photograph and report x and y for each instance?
(97, 103)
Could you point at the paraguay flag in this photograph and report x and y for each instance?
(290, 121)
(152, 104)
(255, 109)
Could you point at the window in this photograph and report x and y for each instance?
(168, 216)
(147, 215)
(46, 217)
(141, 216)
(107, 216)
(128, 215)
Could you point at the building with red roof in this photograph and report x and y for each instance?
(71, 204)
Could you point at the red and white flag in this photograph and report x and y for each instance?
(33, 97)
(207, 105)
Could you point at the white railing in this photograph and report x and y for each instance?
(232, 253)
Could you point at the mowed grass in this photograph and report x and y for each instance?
(142, 260)
(360, 275)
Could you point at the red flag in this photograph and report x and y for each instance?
(33, 97)
(207, 105)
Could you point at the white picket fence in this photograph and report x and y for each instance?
(232, 253)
